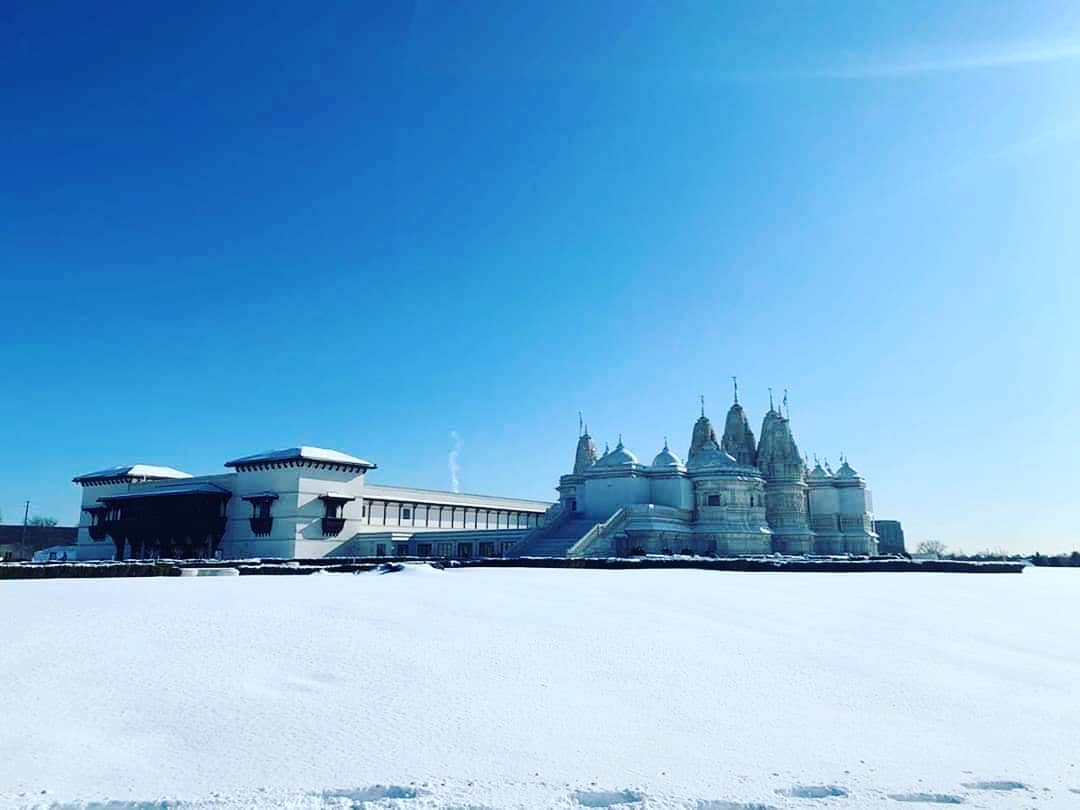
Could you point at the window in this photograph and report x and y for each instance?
(380, 549)
(445, 549)
(261, 519)
(464, 550)
(406, 514)
(423, 549)
(334, 513)
(505, 546)
(401, 549)
(487, 549)
(714, 500)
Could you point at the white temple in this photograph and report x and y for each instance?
(732, 497)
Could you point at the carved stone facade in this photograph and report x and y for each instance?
(733, 496)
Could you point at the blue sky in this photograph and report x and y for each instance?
(367, 228)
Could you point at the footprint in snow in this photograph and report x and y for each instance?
(606, 798)
(720, 804)
(373, 793)
(929, 798)
(814, 792)
(999, 785)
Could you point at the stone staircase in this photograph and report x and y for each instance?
(562, 537)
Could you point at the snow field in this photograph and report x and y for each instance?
(543, 688)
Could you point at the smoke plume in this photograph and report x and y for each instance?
(452, 461)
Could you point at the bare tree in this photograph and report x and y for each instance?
(41, 520)
(934, 548)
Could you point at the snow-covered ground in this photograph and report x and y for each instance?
(502, 688)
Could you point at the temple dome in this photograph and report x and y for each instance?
(846, 471)
(666, 460)
(738, 437)
(585, 456)
(713, 457)
(778, 456)
(617, 457)
(702, 443)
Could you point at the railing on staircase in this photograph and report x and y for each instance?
(554, 517)
(592, 541)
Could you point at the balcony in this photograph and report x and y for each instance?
(332, 526)
(261, 526)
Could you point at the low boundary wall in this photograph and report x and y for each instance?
(267, 567)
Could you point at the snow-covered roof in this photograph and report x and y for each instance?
(131, 471)
(302, 453)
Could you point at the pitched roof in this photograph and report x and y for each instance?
(131, 471)
(302, 453)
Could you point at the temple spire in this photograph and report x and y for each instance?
(586, 449)
(702, 404)
(735, 381)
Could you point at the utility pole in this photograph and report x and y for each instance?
(25, 520)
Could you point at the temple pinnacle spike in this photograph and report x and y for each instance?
(771, 408)
(702, 404)
(735, 380)
(580, 423)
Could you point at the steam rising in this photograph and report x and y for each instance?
(452, 461)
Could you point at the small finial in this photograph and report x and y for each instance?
(620, 440)
(702, 404)
(665, 443)
(770, 400)
(816, 462)
(787, 413)
(735, 380)
(586, 428)
(580, 423)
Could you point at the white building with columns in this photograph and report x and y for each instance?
(300, 502)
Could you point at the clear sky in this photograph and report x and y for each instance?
(228, 230)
